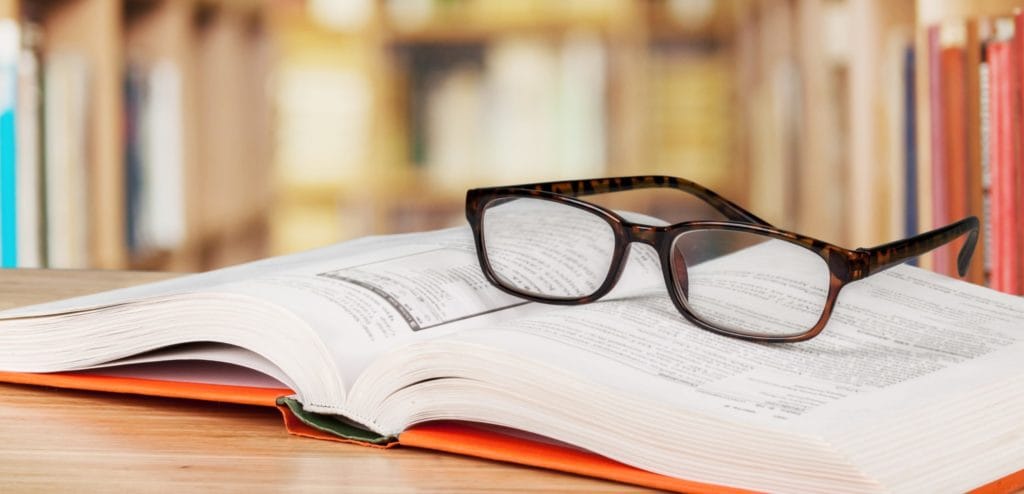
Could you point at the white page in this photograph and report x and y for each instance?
(193, 371)
(195, 363)
(360, 297)
(897, 339)
(411, 288)
(202, 281)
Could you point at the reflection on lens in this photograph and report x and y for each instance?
(545, 248)
(750, 283)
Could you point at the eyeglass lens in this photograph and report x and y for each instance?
(739, 281)
(750, 283)
(545, 248)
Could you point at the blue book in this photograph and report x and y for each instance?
(9, 49)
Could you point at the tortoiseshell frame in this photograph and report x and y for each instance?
(845, 265)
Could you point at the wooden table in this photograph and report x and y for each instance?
(71, 441)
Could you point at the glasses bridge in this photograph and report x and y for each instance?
(645, 234)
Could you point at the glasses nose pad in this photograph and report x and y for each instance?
(679, 273)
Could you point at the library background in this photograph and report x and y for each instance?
(191, 134)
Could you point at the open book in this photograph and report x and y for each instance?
(917, 384)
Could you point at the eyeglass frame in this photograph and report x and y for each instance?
(845, 265)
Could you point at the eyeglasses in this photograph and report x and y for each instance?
(740, 277)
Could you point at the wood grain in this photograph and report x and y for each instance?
(71, 440)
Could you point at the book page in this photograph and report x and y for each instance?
(206, 362)
(194, 371)
(195, 282)
(894, 338)
(365, 296)
(409, 288)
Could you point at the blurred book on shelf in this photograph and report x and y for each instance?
(153, 158)
(10, 44)
(66, 133)
(30, 229)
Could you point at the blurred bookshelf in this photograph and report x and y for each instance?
(142, 133)
(970, 99)
(429, 98)
(814, 113)
(769, 102)
(192, 134)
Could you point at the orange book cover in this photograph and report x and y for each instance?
(450, 437)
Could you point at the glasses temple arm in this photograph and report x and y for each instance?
(581, 188)
(885, 256)
(727, 207)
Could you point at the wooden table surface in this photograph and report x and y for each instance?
(59, 440)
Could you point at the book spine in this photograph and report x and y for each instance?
(1004, 222)
(940, 208)
(984, 95)
(133, 88)
(55, 174)
(163, 205)
(29, 166)
(1002, 157)
(910, 142)
(952, 183)
(1000, 114)
(975, 189)
(9, 48)
(995, 76)
(1015, 175)
(65, 110)
(1016, 105)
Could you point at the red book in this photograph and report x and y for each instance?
(955, 136)
(977, 187)
(1003, 157)
(940, 170)
(995, 54)
(1016, 174)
